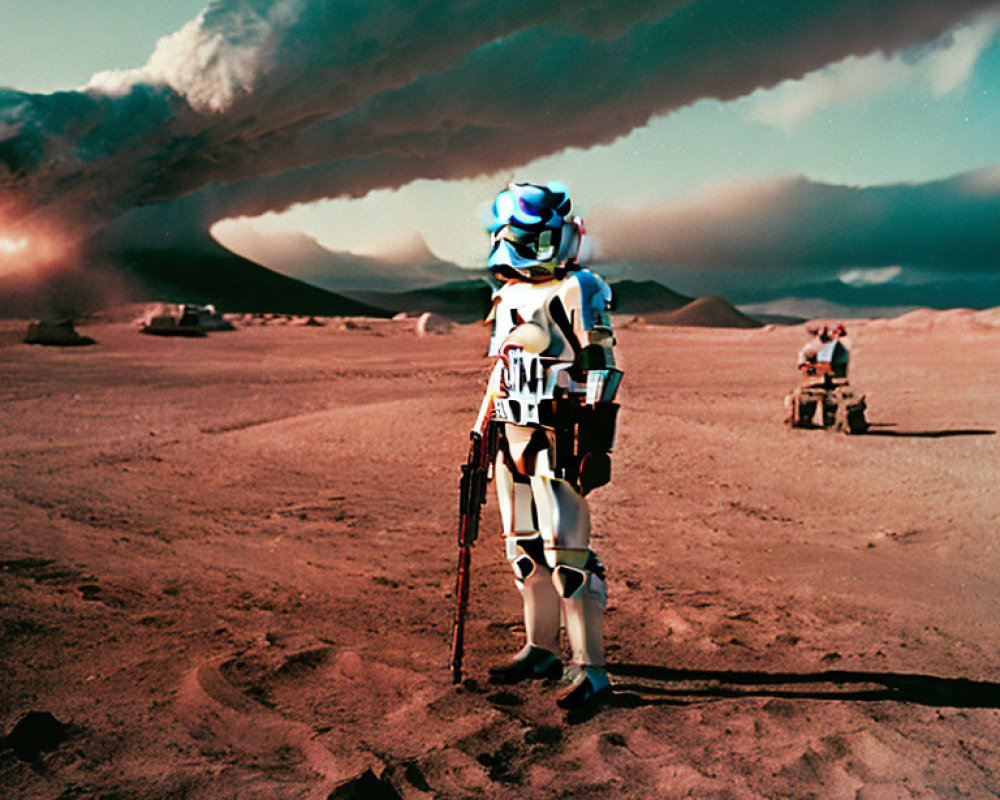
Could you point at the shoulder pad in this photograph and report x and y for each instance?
(595, 296)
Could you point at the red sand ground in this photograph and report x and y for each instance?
(228, 567)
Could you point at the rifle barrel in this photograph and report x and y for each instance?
(461, 601)
(472, 497)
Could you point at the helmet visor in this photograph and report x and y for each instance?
(530, 245)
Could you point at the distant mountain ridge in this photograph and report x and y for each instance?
(461, 301)
(413, 280)
(640, 297)
(802, 297)
(198, 270)
(469, 301)
(230, 282)
(407, 266)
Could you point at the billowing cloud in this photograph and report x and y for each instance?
(937, 70)
(793, 223)
(767, 238)
(215, 58)
(258, 104)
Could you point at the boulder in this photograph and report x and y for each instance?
(55, 334)
(430, 322)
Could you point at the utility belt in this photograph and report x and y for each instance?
(579, 438)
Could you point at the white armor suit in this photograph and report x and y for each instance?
(551, 391)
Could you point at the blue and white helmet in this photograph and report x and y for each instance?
(531, 232)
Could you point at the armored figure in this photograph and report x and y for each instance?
(823, 360)
(822, 365)
(551, 394)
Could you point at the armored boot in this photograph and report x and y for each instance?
(537, 659)
(584, 596)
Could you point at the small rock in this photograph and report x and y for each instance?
(367, 786)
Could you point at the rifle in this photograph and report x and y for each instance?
(472, 497)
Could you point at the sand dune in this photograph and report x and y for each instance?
(928, 319)
(227, 568)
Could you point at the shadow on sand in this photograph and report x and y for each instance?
(879, 429)
(643, 685)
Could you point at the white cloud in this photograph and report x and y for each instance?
(209, 65)
(870, 276)
(947, 68)
(937, 69)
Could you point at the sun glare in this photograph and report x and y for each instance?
(16, 257)
(9, 246)
(27, 251)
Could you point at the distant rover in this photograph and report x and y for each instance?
(184, 320)
(822, 364)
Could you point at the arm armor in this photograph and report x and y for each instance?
(585, 424)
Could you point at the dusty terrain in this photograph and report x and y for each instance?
(227, 569)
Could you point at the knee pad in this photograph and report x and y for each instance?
(526, 554)
(572, 582)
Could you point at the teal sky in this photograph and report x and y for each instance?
(47, 45)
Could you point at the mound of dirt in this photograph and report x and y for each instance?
(704, 312)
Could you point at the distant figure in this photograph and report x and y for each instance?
(822, 364)
(552, 394)
(823, 359)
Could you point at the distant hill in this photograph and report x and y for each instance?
(461, 301)
(231, 282)
(704, 312)
(767, 318)
(405, 266)
(642, 297)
